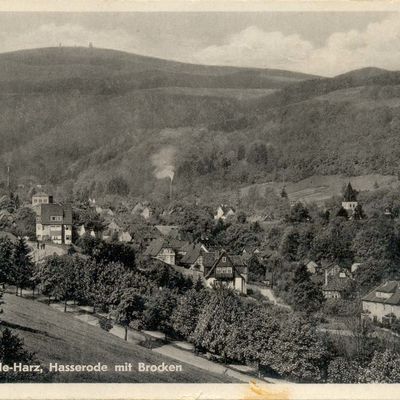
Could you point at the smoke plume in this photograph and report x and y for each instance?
(164, 163)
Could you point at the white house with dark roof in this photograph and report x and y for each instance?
(382, 301)
(54, 223)
(229, 270)
(167, 250)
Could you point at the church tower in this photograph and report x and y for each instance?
(349, 202)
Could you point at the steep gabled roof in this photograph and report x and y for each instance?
(157, 245)
(193, 252)
(350, 194)
(55, 210)
(210, 260)
(168, 230)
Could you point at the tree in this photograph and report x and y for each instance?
(258, 153)
(306, 295)
(256, 269)
(22, 266)
(290, 243)
(12, 351)
(6, 258)
(333, 242)
(342, 213)
(118, 186)
(186, 314)
(25, 222)
(342, 370)
(358, 212)
(252, 334)
(377, 240)
(298, 352)
(383, 368)
(130, 307)
(103, 282)
(298, 213)
(159, 308)
(216, 320)
(59, 278)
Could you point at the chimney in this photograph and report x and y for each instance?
(326, 276)
(170, 190)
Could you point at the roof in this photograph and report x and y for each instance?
(226, 208)
(350, 194)
(156, 245)
(193, 252)
(336, 283)
(210, 260)
(56, 210)
(392, 288)
(312, 264)
(168, 230)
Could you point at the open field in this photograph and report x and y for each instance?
(320, 188)
(62, 338)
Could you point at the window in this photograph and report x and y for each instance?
(223, 259)
(223, 271)
(56, 218)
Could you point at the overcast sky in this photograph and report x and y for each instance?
(319, 43)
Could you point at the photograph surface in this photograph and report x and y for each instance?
(200, 197)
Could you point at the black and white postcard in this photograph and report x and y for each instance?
(199, 200)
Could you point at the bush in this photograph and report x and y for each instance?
(105, 323)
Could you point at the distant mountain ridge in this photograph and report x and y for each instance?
(77, 117)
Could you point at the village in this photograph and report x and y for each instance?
(303, 263)
(56, 232)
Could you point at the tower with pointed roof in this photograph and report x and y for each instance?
(349, 202)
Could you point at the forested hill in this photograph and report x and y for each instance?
(78, 118)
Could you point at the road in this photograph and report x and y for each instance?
(179, 351)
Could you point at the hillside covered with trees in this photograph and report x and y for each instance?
(79, 119)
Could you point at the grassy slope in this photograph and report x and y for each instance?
(58, 337)
(320, 188)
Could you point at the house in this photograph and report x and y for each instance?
(41, 198)
(383, 301)
(142, 210)
(228, 270)
(81, 230)
(337, 281)
(172, 231)
(124, 237)
(111, 229)
(54, 223)
(355, 267)
(167, 250)
(194, 256)
(224, 212)
(312, 267)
